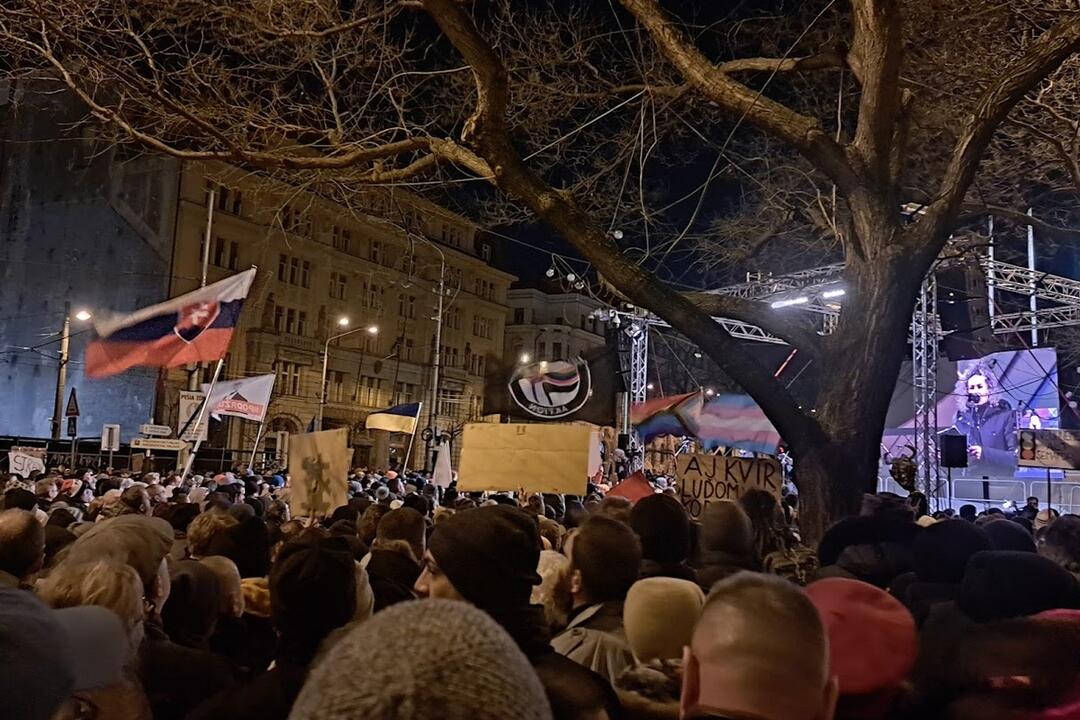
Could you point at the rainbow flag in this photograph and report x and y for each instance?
(723, 421)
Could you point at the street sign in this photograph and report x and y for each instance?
(190, 404)
(73, 422)
(155, 430)
(110, 438)
(72, 405)
(158, 444)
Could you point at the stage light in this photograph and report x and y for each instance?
(649, 386)
(710, 392)
(830, 294)
(801, 300)
(617, 234)
(697, 356)
(550, 272)
(571, 277)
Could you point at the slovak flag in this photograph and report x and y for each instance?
(195, 327)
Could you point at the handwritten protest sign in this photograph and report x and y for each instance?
(319, 469)
(25, 460)
(709, 478)
(535, 457)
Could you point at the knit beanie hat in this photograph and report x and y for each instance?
(489, 555)
(663, 527)
(1002, 584)
(312, 592)
(424, 660)
(872, 638)
(725, 527)
(659, 617)
(1007, 535)
(942, 550)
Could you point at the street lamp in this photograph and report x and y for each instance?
(61, 371)
(525, 357)
(370, 330)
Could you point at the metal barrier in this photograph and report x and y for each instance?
(88, 454)
(995, 492)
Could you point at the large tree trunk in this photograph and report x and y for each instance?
(858, 374)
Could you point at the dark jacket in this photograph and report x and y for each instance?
(572, 689)
(920, 597)
(392, 576)
(270, 696)
(248, 642)
(717, 565)
(993, 428)
(177, 679)
(679, 571)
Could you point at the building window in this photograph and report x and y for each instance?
(225, 199)
(404, 392)
(283, 268)
(482, 326)
(288, 378)
(294, 271)
(336, 391)
(373, 295)
(305, 274)
(295, 221)
(376, 254)
(556, 351)
(301, 323)
(234, 255)
(290, 321)
(452, 235)
(541, 351)
(476, 366)
(279, 318)
(408, 346)
(341, 238)
(449, 403)
(519, 316)
(338, 283)
(485, 252)
(407, 306)
(452, 319)
(449, 356)
(370, 391)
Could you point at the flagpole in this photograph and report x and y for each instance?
(199, 419)
(408, 451)
(255, 447)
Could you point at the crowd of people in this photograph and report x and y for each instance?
(131, 598)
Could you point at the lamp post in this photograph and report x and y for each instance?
(342, 322)
(61, 370)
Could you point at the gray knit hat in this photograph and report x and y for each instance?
(424, 660)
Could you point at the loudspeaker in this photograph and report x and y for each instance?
(624, 442)
(952, 450)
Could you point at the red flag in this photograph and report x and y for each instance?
(633, 488)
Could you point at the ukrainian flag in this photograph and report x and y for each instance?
(400, 418)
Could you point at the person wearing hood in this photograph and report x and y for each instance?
(726, 540)
(659, 616)
(312, 593)
(488, 557)
(941, 553)
(175, 678)
(393, 565)
(190, 615)
(662, 525)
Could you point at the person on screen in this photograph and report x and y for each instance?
(988, 424)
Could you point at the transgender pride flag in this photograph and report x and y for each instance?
(724, 421)
(195, 327)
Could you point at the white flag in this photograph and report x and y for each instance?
(247, 398)
(443, 474)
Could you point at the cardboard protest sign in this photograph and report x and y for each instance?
(319, 470)
(25, 460)
(534, 457)
(709, 478)
(1049, 449)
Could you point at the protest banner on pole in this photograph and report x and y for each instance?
(25, 460)
(710, 478)
(319, 469)
(533, 457)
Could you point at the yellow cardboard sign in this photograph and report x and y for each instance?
(319, 472)
(538, 457)
(709, 478)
